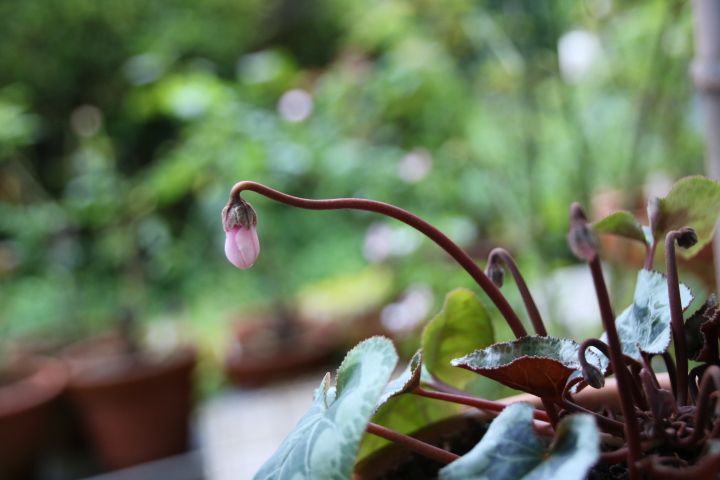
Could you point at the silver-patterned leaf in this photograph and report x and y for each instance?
(645, 325)
(510, 450)
(325, 441)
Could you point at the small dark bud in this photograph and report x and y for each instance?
(686, 237)
(238, 212)
(496, 273)
(581, 238)
(593, 376)
(582, 241)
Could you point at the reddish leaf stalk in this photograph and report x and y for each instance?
(678, 330)
(619, 455)
(470, 401)
(500, 254)
(417, 446)
(578, 221)
(406, 217)
(608, 423)
(621, 373)
(672, 371)
(703, 413)
(650, 256)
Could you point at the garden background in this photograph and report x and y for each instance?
(124, 124)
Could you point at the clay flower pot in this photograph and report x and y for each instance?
(26, 398)
(259, 353)
(135, 407)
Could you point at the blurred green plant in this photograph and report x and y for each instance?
(122, 123)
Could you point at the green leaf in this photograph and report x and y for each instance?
(462, 326)
(645, 325)
(510, 450)
(538, 365)
(693, 202)
(622, 224)
(325, 441)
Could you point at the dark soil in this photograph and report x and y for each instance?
(418, 467)
(456, 436)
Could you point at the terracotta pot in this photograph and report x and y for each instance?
(25, 410)
(135, 407)
(258, 355)
(384, 462)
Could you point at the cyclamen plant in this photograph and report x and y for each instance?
(659, 431)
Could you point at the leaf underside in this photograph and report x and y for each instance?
(645, 325)
(325, 441)
(538, 365)
(405, 382)
(510, 450)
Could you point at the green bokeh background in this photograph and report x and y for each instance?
(124, 124)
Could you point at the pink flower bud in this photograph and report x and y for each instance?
(242, 246)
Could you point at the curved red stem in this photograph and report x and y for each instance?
(418, 446)
(406, 217)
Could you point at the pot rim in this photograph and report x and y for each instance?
(84, 378)
(47, 381)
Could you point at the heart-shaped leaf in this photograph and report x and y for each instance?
(538, 365)
(405, 382)
(702, 330)
(462, 326)
(693, 202)
(623, 224)
(325, 441)
(645, 325)
(510, 450)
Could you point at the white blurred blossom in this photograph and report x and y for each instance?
(409, 311)
(415, 166)
(579, 52)
(295, 105)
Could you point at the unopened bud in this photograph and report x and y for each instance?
(581, 239)
(686, 237)
(242, 246)
(593, 376)
(495, 272)
(238, 212)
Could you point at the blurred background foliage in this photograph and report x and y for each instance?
(124, 124)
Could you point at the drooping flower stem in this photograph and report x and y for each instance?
(616, 359)
(479, 403)
(676, 310)
(500, 254)
(418, 446)
(650, 256)
(582, 244)
(406, 217)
